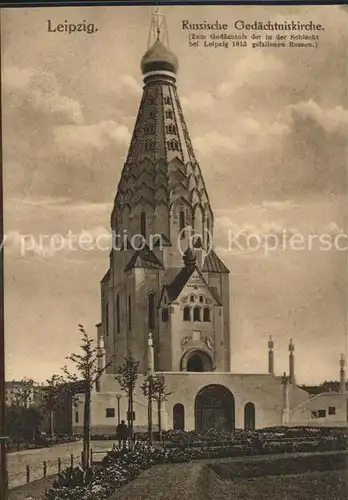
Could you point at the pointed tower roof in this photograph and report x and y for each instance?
(161, 165)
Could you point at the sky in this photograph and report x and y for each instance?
(269, 127)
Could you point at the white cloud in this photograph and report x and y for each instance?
(94, 239)
(42, 91)
(81, 138)
(201, 102)
(255, 67)
(127, 84)
(331, 120)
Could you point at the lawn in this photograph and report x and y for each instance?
(211, 480)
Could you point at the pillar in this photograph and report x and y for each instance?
(285, 406)
(342, 375)
(270, 356)
(100, 354)
(150, 355)
(291, 363)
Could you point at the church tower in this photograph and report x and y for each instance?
(164, 276)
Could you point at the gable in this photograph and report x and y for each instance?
(196, 286)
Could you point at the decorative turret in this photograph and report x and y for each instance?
(270, 356)
(285, 405)
(291, 363)
(100, 353)
(150, 355)
(342, 374)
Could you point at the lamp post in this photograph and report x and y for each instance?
(118, 409)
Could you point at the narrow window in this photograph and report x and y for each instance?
(107, 319)
(201, 298)
(165, 315)
(182, 224)
(197, 314)
(143, 224)
(206, 314)
(129, 312)
(110, 412)
(192, 298)
(118, 312)
(151, 311)
(76, 417)
(186, 314)
(167, 100)
(169, 113)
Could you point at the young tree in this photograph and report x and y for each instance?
(88, 370)
(52, 397)
(127, 376)
(154, 388)
(160, 395)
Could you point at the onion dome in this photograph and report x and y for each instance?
(159, 58)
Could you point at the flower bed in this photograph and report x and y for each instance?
(123, 465)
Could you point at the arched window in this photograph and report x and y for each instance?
(107, 318)
(151, 311)
(118, 313)
(197, 314)
(165, 314)
(129, 312)
(186, 314)
(178, 417)
(201, 298)
(192, 298)
(206, 314)
(169, 113)
(167, 100)
(182, 220)
(143, 224)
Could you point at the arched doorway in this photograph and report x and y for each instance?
(249, 417)
(196, 361)
(214, 408)
(178, 417)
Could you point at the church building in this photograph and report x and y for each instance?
(165, 297)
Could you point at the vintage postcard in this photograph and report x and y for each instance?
(175, 252)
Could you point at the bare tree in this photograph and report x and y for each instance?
(88, 372)
(154, 389)
(127, 376)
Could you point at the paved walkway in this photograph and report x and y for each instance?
(17, 461)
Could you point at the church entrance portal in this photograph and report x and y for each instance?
(214, 409)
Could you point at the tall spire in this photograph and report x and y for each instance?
(161, 179)
(270, 356)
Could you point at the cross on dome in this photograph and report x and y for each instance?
(158, 29)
